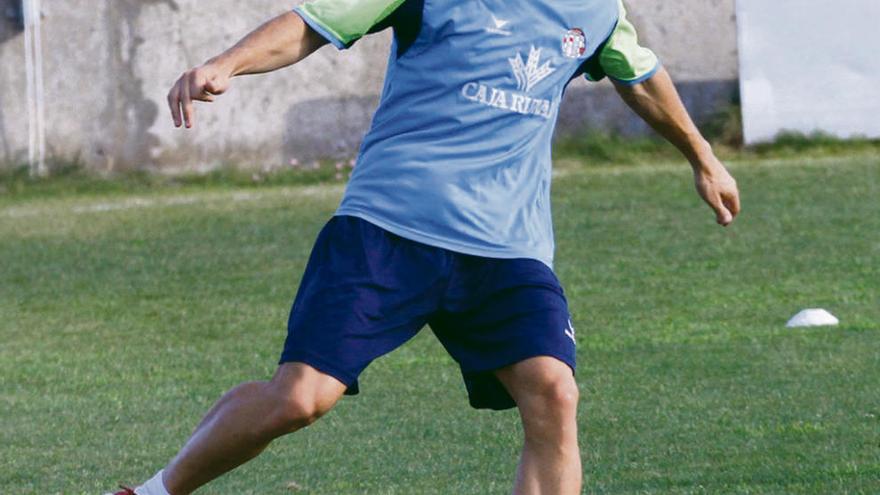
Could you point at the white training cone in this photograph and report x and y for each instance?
(812, 318)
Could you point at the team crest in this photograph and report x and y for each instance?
(574, 43)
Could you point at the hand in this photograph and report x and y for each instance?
(200, 84)
(718, 189)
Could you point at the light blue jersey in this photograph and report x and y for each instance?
(459, 152)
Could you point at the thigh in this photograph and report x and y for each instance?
(364, 293)
(498, 313)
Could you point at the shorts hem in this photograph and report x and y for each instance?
(518, 358)
(485, 391)
(322, 365)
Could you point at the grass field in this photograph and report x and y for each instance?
(124, 317)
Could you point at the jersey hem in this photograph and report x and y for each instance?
(320, 29)
(423, 238)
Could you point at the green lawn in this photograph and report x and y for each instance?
(124, 317)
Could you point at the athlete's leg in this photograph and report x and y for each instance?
(546, 395)
(247, 419)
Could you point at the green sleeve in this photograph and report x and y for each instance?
(622, 58)
(343, 22)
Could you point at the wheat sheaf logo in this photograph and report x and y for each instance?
(531, 72)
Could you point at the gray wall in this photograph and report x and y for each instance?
(108, 65)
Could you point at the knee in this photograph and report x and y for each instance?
(560, 396)
(550, 417)
(293, 411)
(552, 407)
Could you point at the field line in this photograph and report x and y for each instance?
(145, 202)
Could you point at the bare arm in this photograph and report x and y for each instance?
(281, 42)
(657, 102)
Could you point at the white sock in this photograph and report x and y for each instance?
(154, 486)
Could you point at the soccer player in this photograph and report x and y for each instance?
(446, 220)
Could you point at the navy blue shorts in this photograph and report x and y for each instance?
(367, 291)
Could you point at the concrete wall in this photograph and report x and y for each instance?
(109, 63)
